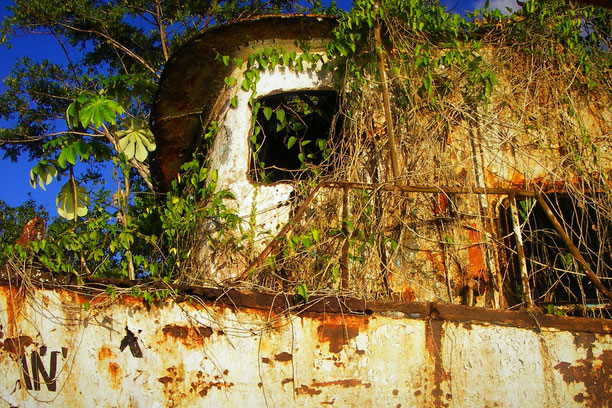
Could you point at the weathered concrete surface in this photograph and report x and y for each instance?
(246, 350)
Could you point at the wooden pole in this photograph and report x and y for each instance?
(344, 261)
(520, 251)
(386, 100)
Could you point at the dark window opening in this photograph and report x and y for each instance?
(292, 135)
(558, 282)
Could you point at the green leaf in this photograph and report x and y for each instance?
(44, 173)
(291, 142)
(302, 291)
(267, 111)
(234, 101)
(72, 115)
(286, 59)
(98, 110)
(137, 141)
(66, 199)
(68, 154)
(280, 115)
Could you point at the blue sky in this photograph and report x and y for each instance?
(15, 179)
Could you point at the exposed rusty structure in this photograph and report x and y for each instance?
(428, 287)
(228, 348)
(428, 222)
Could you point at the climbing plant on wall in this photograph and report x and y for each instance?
(443, 75)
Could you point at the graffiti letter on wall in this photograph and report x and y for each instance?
(32, 377)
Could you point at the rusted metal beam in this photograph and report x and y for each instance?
(426, 189)
(570, 245)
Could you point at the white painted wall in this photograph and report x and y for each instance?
(203, 353)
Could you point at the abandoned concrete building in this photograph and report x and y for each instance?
(398, 238)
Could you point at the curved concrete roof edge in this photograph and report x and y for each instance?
(192, 81)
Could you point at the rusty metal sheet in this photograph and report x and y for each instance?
(202, 351)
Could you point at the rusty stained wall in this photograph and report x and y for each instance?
(181, 354)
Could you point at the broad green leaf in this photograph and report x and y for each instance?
(66, 199)
(136, 142)
(44, 173)
(68, 154)
(98, 110)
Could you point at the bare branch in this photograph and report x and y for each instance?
(162, 30)
(116, 44)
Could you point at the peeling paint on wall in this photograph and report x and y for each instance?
(230, 350)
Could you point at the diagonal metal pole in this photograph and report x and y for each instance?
(572, 248)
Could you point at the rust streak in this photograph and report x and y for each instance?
(433, 341)
(178, 332)
(16, 345)
(114, 372)
(338, 330)
(284, 356)
(595, 374)
(14, 303)
(306, 390)
(349, 383)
